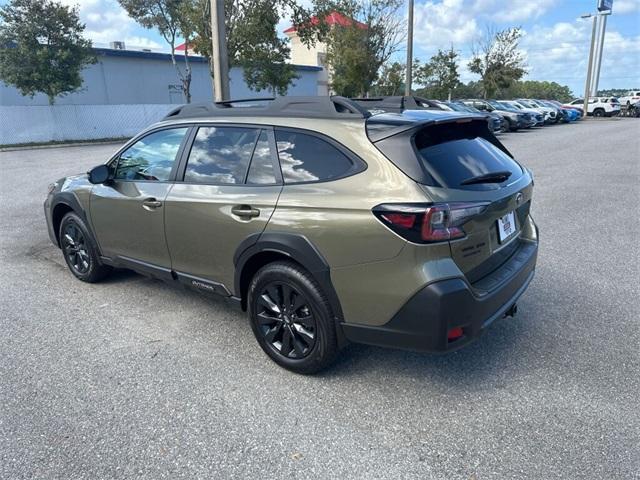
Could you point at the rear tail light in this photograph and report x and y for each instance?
(428, 223)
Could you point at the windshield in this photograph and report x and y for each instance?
(526, 103)
(459, 107)
(496, 104)
(512, 105)
(501, 106)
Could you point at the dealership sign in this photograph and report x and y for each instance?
(605, 5)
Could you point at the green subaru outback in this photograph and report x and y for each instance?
(327, 224)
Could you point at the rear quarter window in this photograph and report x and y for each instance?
(306, 158)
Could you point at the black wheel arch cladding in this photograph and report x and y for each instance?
(295, 247)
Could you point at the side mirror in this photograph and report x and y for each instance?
(99, 174)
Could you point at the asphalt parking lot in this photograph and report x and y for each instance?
(133, 378)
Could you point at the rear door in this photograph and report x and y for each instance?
(226, 191)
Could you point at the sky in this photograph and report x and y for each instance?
(555, 42)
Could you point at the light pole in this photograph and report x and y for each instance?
(602, 30)
(587, 86)
(408, 80)
(219, 56)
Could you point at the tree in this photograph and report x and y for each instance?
(357, 51)
(252, 39)
(171, 18)
(42, 48)
(391, 80)
(497, 60)
(440, 75)
(537, 89)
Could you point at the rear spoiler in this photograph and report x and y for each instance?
(410, 128)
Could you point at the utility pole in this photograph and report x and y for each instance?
(219, 55)
(602, 30)
(409, 74)
(587, 87)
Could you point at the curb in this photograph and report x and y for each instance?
(63, 145)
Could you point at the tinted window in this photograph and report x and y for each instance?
(221, 155)
(306, 158)
(452, 154)
(152, 157)
(261, 170)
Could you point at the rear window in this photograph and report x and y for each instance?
(454, 154)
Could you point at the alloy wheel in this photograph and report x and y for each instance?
(286, 321)
(75, 249)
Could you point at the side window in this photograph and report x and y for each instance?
(152, 157)
(261, 171)
(307, 158)
(221, 155)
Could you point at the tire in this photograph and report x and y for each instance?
(291, 318)
(598, 112)
(80, 251)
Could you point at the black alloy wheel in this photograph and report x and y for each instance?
(80, 251)
(74, 245)
(286, 320)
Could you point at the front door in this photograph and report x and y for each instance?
(127, 213)
(229, 189)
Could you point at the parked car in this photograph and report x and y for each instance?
(562, 115)
(599, 106)
(579, 113)
(497, 123)
(514, 120)
(325, 223)
(550, 114)
(536, 115)
(632, 96)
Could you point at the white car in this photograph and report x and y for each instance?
(537, 113)
(599, 106)
(632, 96)
(550, 114)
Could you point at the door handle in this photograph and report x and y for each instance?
(246, 211)
(151, 204)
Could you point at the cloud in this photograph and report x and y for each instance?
(626, 6)
(560, 53)
(107, 21)
(519, 10)
(438, 25)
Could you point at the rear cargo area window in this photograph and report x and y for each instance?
(454, 154)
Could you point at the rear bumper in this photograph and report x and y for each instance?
(423, 322)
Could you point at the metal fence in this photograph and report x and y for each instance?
(31, 124)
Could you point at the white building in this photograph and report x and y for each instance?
(315, 56)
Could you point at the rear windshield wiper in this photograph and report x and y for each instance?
(493, 177)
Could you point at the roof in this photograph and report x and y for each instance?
(110, 52)
(334, 18)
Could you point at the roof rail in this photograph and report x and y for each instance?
(394, 103)
(306, 107)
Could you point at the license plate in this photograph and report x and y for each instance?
(506, 226)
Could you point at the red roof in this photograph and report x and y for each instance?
(334, 18)
(180, 47)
